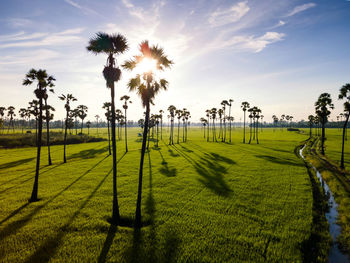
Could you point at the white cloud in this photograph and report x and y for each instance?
(279, 24)
(301, 8)
(227, 16)
(43, 39)
(247, 43)
(19, 22)
(82, 8)
(25, 58)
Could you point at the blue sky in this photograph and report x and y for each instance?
(276, 54)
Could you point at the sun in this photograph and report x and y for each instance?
(146, 65)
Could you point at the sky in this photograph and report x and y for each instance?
(279, 55)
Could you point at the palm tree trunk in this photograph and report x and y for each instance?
(109, 138)
(161, 128)
(243, 129)
(343, 142)
(323, 136)
(183, 131)
(115, 212)
(34, 196)
(204, 131)
(126, 136)
(257, 131)
(254, 126)
(143, 149)
(82, 125)
(172, 131)
(48, 132)
(208, 129)
(65, 139)
(178, 132)
(250, 131)
(157, 134)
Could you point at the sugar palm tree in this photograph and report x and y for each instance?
(224, 103)
(213, 113)
(88, 125)
(75, 115)
(82, 113)
(108, 114)
(2, 113)
(311, 119)
(322, 107)
(245, 105)
(147, 86)
(44, 82)
(23, 114)
(204, 123)
(67, 99)
(344, 94)
(221, 114)
(34, 110)
(161, 123)
(125, 107)
(251, 125)
(11, 114)
(208, 123)
(178, 113)
(229, 115)
(97, 117)
(111, 45)
(48, 116)
(172, 110)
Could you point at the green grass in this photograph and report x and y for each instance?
(201, 201)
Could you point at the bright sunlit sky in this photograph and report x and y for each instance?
(278, 55)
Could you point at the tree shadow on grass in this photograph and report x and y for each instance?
(170, 172)
(26, 180)
(48, 249)
(16, 225)
(279, 160)
(211, 171)
(87, 154)
(16, 163)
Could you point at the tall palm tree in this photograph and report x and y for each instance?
(179, 115)
(68, 99)
(147, 86)
(44, 81)
(111, 45)
(187, 116)
(344, 93)
(172, 110)
(75, 115)
(97, 117)
(48, 117)
(208, 124)
(221, 113)
(11, 113)
(47, 109)
(213, 113)
(108, 114)
(322, 107)
(251, 125)
(2, 113)
(161, 123)
(119, 118)
(88, 124)
(224, 103)
(245, 105)
(82, 113)
(125, 107)
(23, 113)
(204, 123)
(34, 110)
(229, 115)
(311, 119)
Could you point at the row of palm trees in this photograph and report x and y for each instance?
(284, 121)
(223, 117)
(183, 116)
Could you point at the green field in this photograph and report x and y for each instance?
(201, 202)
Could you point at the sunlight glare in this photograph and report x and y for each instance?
(146, 65)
